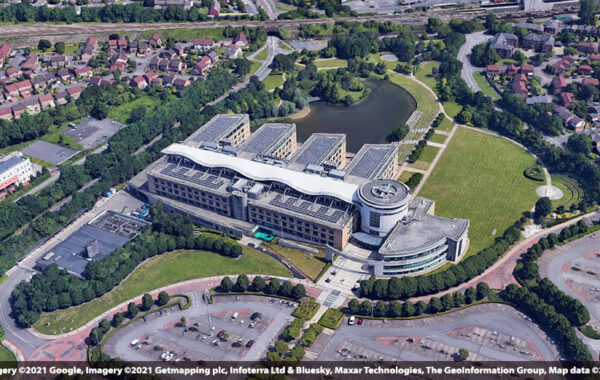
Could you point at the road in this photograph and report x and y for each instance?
(468, 69)
(53, 177)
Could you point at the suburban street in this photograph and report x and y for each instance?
(468, 69)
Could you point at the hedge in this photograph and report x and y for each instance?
(306, 309)
(331, 319)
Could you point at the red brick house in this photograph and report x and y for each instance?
(558, 84)
(138, 82)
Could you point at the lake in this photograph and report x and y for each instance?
(369, 121)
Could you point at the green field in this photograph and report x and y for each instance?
(331, 63)
(159, 271)
(480, 177)
(485, 86)
(429, 153)
(572, 192)
(186, 33)
(446, 125)
(60, 139)
(438, 138)
(425, 99)
(452, 108)
(262, 55)
(423, 73)
(122, 112)
(419, 164)
(273, 81)
(389, 65)
(6, 355)
(405, 176)
(309, 263)
(254, 66)
(282, 7)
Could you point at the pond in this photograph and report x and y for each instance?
(369, 121)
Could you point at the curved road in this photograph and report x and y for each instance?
(464, 52)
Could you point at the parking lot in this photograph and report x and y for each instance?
(489, 332)
(49, 152)
(91, 132)
(231, 328)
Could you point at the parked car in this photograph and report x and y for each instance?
(250, 343)
(221, 334)
(255, 316)
(351, 320)
(359, 321)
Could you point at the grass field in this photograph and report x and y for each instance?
(452, 108)
(389, 65)
(60, 139)
(273, 81)
(425, 99)
(485, 86)
(419, 164)
(262, 55)
(186, 33)
(480, 177)
(331, 63)
(429, 153)
(438, 138)
(122, 112)
(254, 66)
(157, 272)
(446, 125)
(572, 192)
(6, 355)
(309, 263)
(423, 73)
(282, 7)
(405, 176)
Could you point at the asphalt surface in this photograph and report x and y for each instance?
(464, 53)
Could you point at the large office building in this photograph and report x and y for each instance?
(312, 193)
(15, 169)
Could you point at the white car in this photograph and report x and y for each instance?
(351, 320)
(134, 342)
(169, 357)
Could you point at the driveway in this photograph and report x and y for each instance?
(464, 53)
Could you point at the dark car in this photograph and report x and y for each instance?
(221, 334)
(360, 321)
(256, 315)
(250, 343)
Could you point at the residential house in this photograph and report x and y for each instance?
(91, 43)
(118, 67)
(215, 8)
(493, 70)
(95, 81)
(529, 26)
(50, 78)
(203, 44)
(153, 64)
(587, 47)
(46, 101)
(61, 98)
(168, 80)
(585, 70)
(590, 81)
(241, 41)
(558, 84)
(11, 91)
(5, 53)
(552, 27)
(39, 83)
(18, 110)
(33, 105)
(31, 63)
(567, 99)
(540, 99)
(595, 139)
(595, 57)
(576, 124)
(138, 82)
(200, 68)
(64, 75)
(119, 59)
(163, 65)
(232, 52)
(151, 77)
(214, 57)
(75, 92)
(155, 41)
(142, 49)
(177, 66)
(505, 44)
(527, 69)
(169, 54)
(13, 73)
(133, 47)
(59, 61)
(519, 85)
(538, 42)
(563, 113)
(6, 114)
(25, 88)
(122, 44)
(84, 72)
(181, 83)
(511, 69)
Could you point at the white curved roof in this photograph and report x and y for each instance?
(305, 183)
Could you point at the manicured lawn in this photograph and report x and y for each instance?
(262, 55)
(355, 95)
(331, 63)
(446, 125)
(419, 164)
(452, 108)
(122, 112)
(6, 355)
(423, 73)
(429, 153)
(273, 81)
(480, 177)
(389, 65)
(310, 263)
(572, 192)
(60, 139)
(425, 99)
(485, 86)
(186, 33)
(160, 271)
(284, 46)
(281, 7)
(405, 176)
(438, 138)
(254, 66)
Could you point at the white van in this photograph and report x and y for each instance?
(134, 342)
(351, 320)
(235, 315)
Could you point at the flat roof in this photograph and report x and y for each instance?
(302, 182)
(266, 138)
(218, 127)
(9, 162)
(317, 149)
(370, 159)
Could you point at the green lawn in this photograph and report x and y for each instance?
(452, 108)
(60, 139)
(282, 7)
(254, 66)
(355, 95)
(122, 112)
(405, 176)
(331, 63)
(425, 99)
(273, 81)
(311, 264)
(446, 125)
(389, 65)
(480, 177)
(264, 54)
(485, 86)
(186, 33)
(429, 153)
(438, 138)
(6, 355)
(423, 73)
(572, 192)
(157, 272)
(419, 164)
(286, 47)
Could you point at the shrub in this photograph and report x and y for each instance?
(331, 319)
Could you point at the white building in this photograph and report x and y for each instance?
(14, 170)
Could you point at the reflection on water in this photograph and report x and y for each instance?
(369, 121)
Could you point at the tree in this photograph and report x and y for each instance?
(147, 302)
(463, 353)
(543, 207)
(242, 283)
(286, 289)
(587, 12)
(297, 353)
(183, 321)
(365, 308)
(519, 57)
(354, 306)
(381, 309)
(138, 113)
(298, 292)
(59, 47)
(435, 305)
(242, 67)
(100, 111)
(226, 284)
(399, 132)
(580, 143)
(132, 310)
(281, 347)
(258, 284)
(470, 295)
(118, 318)
(1, 333)
(163, 298)
(44, 45)
(95, 336)
(447, 302)
(483, 290)
(273, 287)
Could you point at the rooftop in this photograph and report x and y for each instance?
(384, 193)
(370, 160)
(218, 127)
(267, 138)
(316, 150)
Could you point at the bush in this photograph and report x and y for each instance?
(331, 319)
(306, 309)
(414, 180)
(535, 173)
